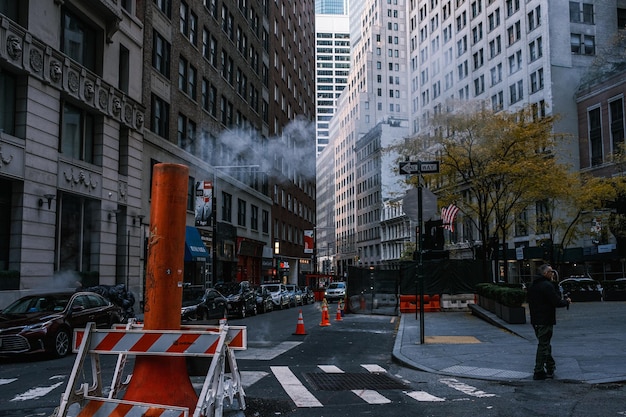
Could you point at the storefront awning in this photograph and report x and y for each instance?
(195, 251)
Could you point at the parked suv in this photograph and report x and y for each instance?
(280, 298)
(295, 295)
(336, 291)
(240, 298)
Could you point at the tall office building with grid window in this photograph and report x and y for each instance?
(332, 56)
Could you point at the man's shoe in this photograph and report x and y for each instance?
(539, 376)
(550, 373)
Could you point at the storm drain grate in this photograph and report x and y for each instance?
(346, 381)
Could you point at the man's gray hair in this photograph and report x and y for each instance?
(543, 268)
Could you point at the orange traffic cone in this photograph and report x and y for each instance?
(325, 318)
(300, 326)
(338, 316)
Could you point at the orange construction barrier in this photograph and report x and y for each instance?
(163, 380)
(408, 303)
(300, 326)
(338, 316)
(325, 319)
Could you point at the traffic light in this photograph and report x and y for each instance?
(433, 235)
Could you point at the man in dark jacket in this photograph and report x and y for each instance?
(543, 299)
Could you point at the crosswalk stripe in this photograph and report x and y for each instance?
(423, 396)
(330, 369)
(371, 397)
(465, 389)
(373, 368)
(294, 388)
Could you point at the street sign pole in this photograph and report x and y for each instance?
(420, 269)
(419, 168)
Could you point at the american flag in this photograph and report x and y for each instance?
(448, 214)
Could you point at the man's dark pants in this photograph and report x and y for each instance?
(544, 360)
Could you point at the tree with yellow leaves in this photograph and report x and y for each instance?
(493, 165)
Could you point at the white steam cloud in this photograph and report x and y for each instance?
(292, 152)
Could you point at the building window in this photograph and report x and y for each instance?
(494, 19)
(544, 219)
(514, 32)
(521, 224)
(161, 54)
(516, 92)
(583, 44)
(594, 121)
(512, 6)
(7, 102)
(254, 217)
(479, 85)
(187, 76)
(496, 74)
(241, 212)
(581, 12)
(209, 93)
(165, 6)
(160, 110)
(534, 18)
(497, 101)
(535, 49)
(79, 40)
(186, 133)
(76, 249)
(616, 114)
(536, 81)
(77, 133)
(495, 47)
(227, 207)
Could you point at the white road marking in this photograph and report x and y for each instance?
(266, 353)
(301, 396)
(371, 397)
(374, 368)
(423, 396)
(7, 381)
(330, 369)
(35, 393)
(465, 389)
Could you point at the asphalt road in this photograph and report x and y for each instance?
(344, 369)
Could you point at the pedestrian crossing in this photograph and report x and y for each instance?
(297, 388)
(304, 397)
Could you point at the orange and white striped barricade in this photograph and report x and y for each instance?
(212, 342)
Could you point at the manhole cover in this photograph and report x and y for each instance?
(346, 381)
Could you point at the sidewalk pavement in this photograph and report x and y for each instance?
(588, 345)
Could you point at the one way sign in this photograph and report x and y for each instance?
(415, 167)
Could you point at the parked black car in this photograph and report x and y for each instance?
(45, 322)
(581, 289)
(240, 297)
(264, 301)
(200, 304)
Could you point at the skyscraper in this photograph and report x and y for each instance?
(332, 61)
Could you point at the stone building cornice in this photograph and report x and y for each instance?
(26, 54)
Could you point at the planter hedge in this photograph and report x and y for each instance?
(503, 300)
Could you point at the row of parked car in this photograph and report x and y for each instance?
(239, 299)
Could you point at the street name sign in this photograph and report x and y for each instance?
(416, 167)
